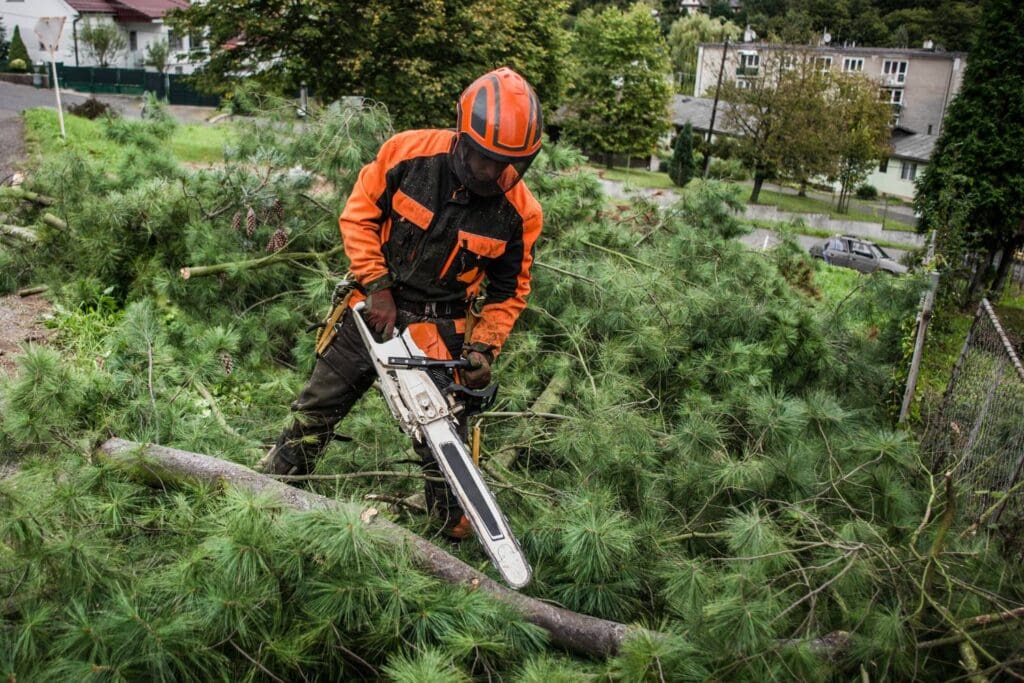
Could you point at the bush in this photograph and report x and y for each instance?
(18, 54)
(867, 191)
(18, 65)
(92, 108)
(728, 169)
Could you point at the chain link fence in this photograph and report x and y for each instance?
(978, 433)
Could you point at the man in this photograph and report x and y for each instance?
(438, 215)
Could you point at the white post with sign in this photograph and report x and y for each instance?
(49, 29)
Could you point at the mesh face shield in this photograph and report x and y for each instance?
(484, 173)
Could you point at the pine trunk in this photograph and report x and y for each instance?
(756, 192)
(162, 466)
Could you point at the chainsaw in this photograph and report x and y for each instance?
(430, 415)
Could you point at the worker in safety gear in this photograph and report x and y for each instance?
(439, 217)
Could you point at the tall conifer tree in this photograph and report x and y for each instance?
(972, 192)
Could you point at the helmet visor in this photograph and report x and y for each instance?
(483, 174)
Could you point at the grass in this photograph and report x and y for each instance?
(795, 204)
(637, 177)
(818, 232)
(191, 143)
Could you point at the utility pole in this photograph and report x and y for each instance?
(714, 109)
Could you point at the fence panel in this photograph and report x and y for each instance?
(133, 82)
(978, 434)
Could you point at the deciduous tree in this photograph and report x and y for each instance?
(972, 192)
(157, 55)
(415, 57)
(686, 34)
(619, 100)
(861, 132)
(103, 40)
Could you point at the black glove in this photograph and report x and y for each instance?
(478, 374)
(381, 313)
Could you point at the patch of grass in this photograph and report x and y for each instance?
(836, 283)
(637, 177)
(789, 202)
(201, 143)
(193, 143)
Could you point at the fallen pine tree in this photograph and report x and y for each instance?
(162, 466)
(692, 438)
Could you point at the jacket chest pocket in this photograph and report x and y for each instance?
(409, 223)
(469, 257)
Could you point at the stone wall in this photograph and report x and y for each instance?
(821, 221)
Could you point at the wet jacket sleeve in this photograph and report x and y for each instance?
(363, 219)
(508, 284)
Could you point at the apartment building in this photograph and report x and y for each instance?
(918, 83)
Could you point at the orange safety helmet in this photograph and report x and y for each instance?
(499, 132)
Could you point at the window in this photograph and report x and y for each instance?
(744, 84)
(853, 64)
(823, 63)
(909, 170)
(929, 129)
(173, 41)
(862, 249)
(749, 63)
(836, 244)
(788, 62)
(892, 95)
(894, 71)
(883, 167)
(133, 41)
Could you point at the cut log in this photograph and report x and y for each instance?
(162, 466)
(19, 233)
(27, 195)
(54, 222)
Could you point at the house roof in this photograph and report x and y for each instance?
(696, 111)
(916, 147)
(128, 10)
(92, 6)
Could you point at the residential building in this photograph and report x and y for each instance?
(693, 6)
(140, 21)
(918, 83)
(910, 154)
(894, 175)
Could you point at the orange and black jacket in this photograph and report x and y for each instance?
(411, 226)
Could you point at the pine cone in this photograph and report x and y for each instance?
(236, 221)
(278, 240)
(279, 211)
(250, 223)
(227, 361)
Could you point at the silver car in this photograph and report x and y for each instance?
(857, 253)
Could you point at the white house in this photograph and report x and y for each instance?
(910, 154)
(141, 22)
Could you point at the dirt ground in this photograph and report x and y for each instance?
(20, 324)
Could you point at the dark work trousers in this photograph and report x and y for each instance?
(341, 376)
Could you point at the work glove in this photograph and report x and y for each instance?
(381, 313)
(478, 374)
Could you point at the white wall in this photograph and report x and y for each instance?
(890, 182)
(25, 14)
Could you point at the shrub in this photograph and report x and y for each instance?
(18, 54)
(867, 191)
(92, 108)
(728, 169)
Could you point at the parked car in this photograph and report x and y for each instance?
(857, 253)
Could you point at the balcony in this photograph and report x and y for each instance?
(747, 71)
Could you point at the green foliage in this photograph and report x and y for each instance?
(17, 52)
(972, 191)
(102, 40)
(725, 471)
(157, 55)
(682, 166)
(686, 34)
(619, 99)
(5, 45)
(338, 48)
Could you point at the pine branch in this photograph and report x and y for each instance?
(164, 466)
(27, 195)
(252, 264)
(219, 416)
(547, 401)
